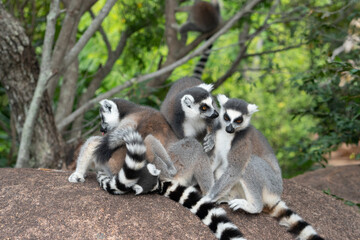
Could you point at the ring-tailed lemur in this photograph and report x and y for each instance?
(203, 17)
(119, 113)
(188, 196)
(164, 149)
(189, 108)
(247, 172)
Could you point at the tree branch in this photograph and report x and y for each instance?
(244, 36)
(103, 34)
(66, 121)
(70, 22)
(242, 39)
(74, 52)
(273, 51)
(45, 72)
(218, 32)
(100, 75)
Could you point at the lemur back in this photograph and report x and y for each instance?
(203, 17)
(189, 108)
(247, 172)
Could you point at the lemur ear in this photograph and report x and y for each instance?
(222, 99)
(207, 87)
(138, 189)
(188, 100)
(153, 170)
(252, 108)
(106, 105)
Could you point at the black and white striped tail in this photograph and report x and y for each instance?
(295, 224)
(211, 215)
(129, 174)
(200, 65)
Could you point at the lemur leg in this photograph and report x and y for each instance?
(253, 202)
(185, 28)
(203, 174)
(84, 159)
(160, 157)
(223, 185)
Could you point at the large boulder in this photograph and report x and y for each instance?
(42, 204)
(342, 181)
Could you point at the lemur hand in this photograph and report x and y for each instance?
(209, 142)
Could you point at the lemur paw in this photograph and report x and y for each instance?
(237, 204)
(209, 142)
(244, 205)
(76, 177)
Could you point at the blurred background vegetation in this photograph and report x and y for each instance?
(309, 99)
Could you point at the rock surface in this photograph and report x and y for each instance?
(343, 181)
(38, 204)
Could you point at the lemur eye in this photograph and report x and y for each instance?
(204, 107)
(226, 117)
(239, 120)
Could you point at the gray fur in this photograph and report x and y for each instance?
(192, 167)
(203, 17)
(85, 159)
(247, 172)
(162, 159)
(137, 173)
(182, 108)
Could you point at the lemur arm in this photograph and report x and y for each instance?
(209, 139)
(238, 157)
(160, 157)
(224, 183)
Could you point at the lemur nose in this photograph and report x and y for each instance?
(230, 129)
(215, 114)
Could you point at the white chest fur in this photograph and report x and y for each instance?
(193, 126)
(222, 147)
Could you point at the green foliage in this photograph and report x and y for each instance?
(347, 202)
(334, 87)
(298, 92)
(6, 159)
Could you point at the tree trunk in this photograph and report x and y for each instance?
(19, 72)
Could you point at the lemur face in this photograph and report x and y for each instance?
(235, 113)
(109, 115)
(198, 102)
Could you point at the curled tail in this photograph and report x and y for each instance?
(295, 224)
(200, 65)
(135, 170)
(109, 144)
(211, 215)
